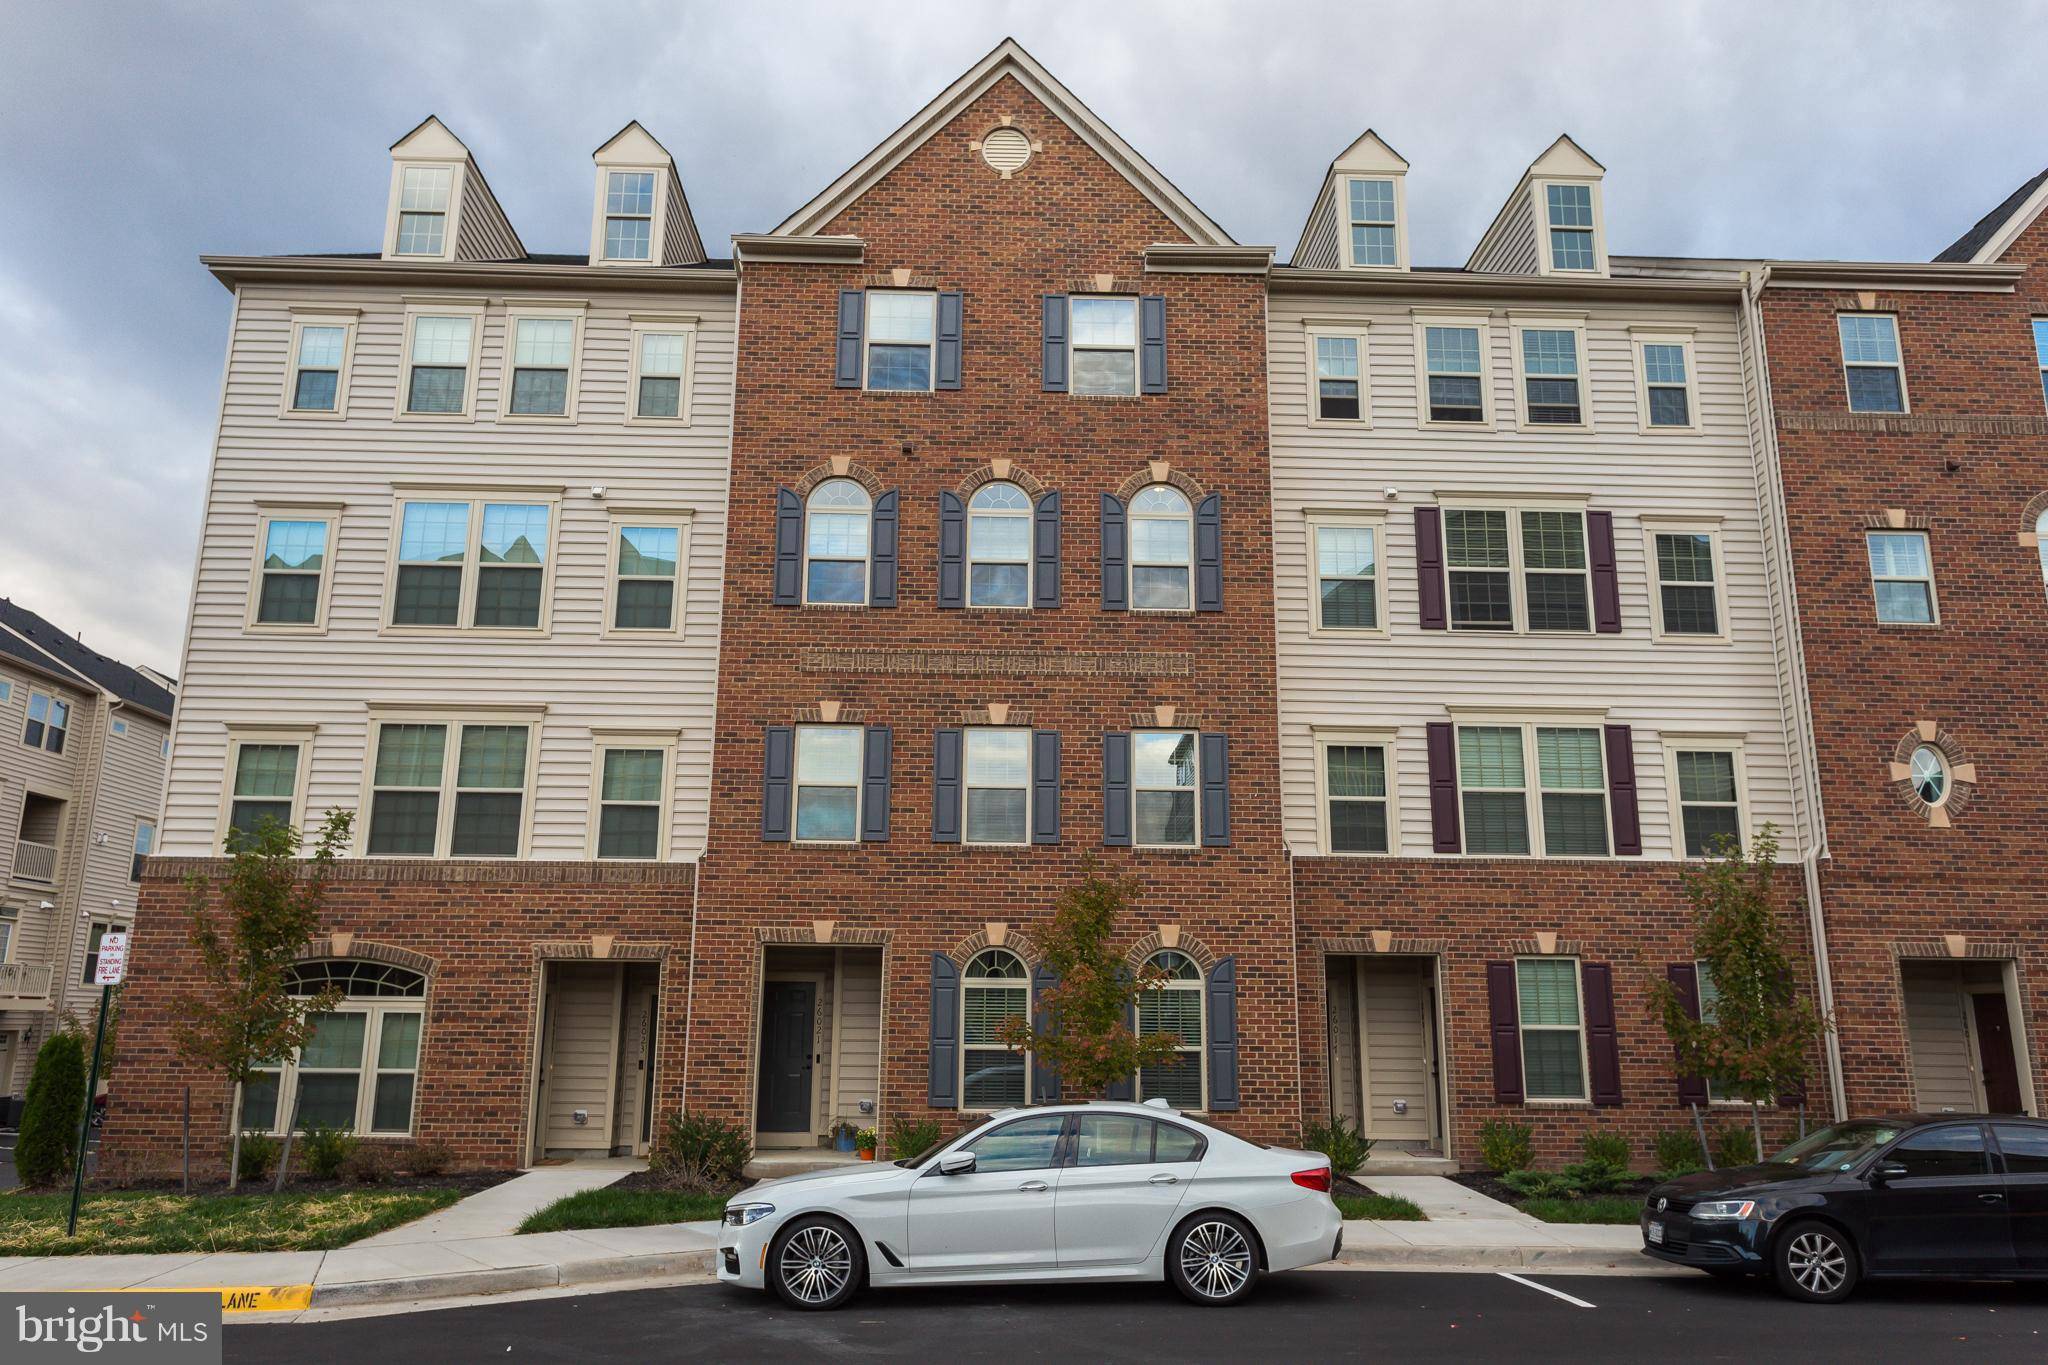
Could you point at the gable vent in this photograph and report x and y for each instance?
(1005, 150)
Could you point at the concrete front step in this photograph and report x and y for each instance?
(1404, 1163)
(768, 1165)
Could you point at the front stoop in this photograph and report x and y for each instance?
(770, 1164)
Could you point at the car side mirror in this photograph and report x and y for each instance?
(957, 1163)
(1887, 1170)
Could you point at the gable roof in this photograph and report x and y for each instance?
(1369, 153)
(46, 645)
(1008, 59)
(1993, 233)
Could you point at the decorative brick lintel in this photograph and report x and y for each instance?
(807, 936)
(1912, 424)
(1353, 944)
(1937, 949)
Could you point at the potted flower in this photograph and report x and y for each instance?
(842, 1136)
(864, 1143)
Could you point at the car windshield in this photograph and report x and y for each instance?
(1837, 1148)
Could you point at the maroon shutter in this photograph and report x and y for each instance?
(1507, 1032)
(1443, 786)
(1603, 1042)
(1606, 579)
(1685, 979)
(1429, 567)
(1621, 790)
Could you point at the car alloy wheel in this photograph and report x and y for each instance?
(1817, 1264)
(1215, 1260)
(815, 1266)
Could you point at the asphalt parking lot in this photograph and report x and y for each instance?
(1313, 1315)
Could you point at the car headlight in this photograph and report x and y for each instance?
(1722, 1210)
(739, 1215)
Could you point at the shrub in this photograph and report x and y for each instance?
(1506, 1146)
(49, 1124)
(1338, 1140)
(324, 1149)
(1596, 1177)
(702, 1149)
(1677, 1151)
(426, 1158)
(366, 1165)
(1539, 1184)
(1609, 1149)
(1734, 1146)
(259, 1155)
(912, 1137)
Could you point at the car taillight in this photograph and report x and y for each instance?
(1317, 1179)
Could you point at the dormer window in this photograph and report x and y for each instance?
(1570, 209)
(629, 216)
(1374, 238)
(423, 210)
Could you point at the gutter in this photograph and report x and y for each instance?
(1661, 288)
(234, 271)
(1936, 275)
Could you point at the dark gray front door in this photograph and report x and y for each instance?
(788, 1010)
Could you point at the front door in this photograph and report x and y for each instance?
(1946, 1213)
(1127, 1177)
(788, 1025)
(1997, 1062)
(998, 1216)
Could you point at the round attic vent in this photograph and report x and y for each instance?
(1005, 150)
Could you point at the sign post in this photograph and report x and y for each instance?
(108, 972)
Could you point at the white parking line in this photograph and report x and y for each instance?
(1546, 1289)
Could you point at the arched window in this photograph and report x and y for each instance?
(1162, 547)
(1174, 1007)
(837, 520)
(2041, 524)
(360, 1069)
(999, 547)
(994, 987)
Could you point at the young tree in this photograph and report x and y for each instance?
(48, 1142)
(1084, 1032)
(269, 905)
(1754, 1029)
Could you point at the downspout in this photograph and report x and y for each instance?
(1799, 710)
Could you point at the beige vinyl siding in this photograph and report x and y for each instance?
(583, 1044)
(1511, 243)
(1938, 1038)
(238, 676)
(1320, 242)
(679, 244)
(1396, 1050)
(1342, 985)
(860, 1037)
(1408, 678)
(484, 233)
(130, 789)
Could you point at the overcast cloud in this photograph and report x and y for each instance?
(138, 135)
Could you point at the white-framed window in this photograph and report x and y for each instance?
(1350, 591)
(1489, 550)
(1337, 372)
(1568, 817)
(1927, 771)
(120, 727)
(647, 560)
(631, 806)
(449, 788)
(440, 361)
(266, 780)
(1162, 550)
(1667, 390)
(2041, 353)
(7, 921)
(294, 565)
(997, 780)
(1568, 215)
(1175, 1006)
(1549, 372)
(1902, 577)
(145, 844)
(1165, 781)
(1706, 781)
(1454, 353)
(1871, 364)
(360, 1069)
(838, 520)
(476, 563)
(424, 194)
(663, 353)
(96, 931)
(6, 690)
(828, 766)
(49, 720)
(1552, 1018)
(994, 987)
(901, 328)
(541, 378)
(2040, 546)
(1372, 222)
(629, 215)
(316, 379)
(999, 533)
(1355, 784)
(1686, 599)
(1103, 333)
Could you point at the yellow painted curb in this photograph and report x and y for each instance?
(234, 1298)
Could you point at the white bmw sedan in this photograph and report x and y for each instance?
(1100, 1191)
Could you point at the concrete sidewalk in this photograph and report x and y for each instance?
(1468, 1230)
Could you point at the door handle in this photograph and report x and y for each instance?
(1165, 1179)
(1991, 1199)
(1034, 1187)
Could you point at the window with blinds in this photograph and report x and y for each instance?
(1553, 1037)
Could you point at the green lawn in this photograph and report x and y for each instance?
(145, 1221)
(610, 1208)
(1607, 1208)
(1385, 1208)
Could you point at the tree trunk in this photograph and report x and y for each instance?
(235, 1148)
(1756, 1127)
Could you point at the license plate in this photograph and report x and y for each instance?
(1656, 1234)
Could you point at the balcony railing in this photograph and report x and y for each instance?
(35, 862)
(24, 982)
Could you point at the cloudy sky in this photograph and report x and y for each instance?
(138, 134)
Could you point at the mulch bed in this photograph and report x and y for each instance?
(1489, 1184)
(467, 1182)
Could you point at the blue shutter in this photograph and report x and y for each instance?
(1152, 348)
(789, 548)
(943, 1089)
(1222, 987)
(1209, 553)
(1215, 791)
(1045, 1081)
(1054, 360)
(882, 562)
(778, 768)
(1045, 786)
(1045, 553)
(952, 551)
(946, 787)
(1116, 588)
(1116, 788)
(874, 796)
(846, 357)
(946, 363)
